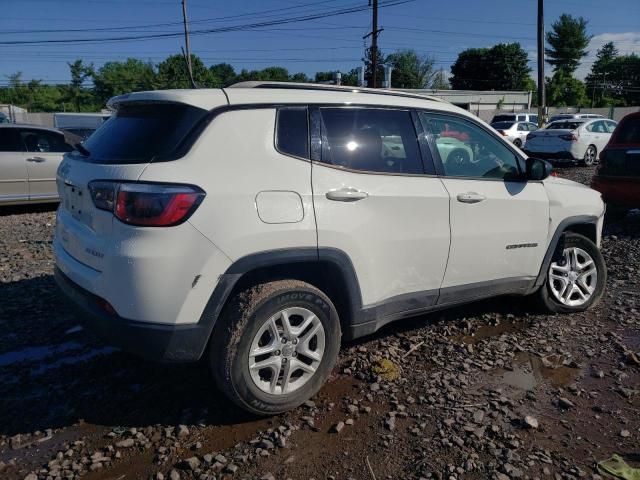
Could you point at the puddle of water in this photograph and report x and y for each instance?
(488, 331)
(73, 359)
(34, 354)
(530, 370)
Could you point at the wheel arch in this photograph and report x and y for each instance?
(328, 269)
(586, 225)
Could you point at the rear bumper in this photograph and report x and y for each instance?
(622, 191)
(153, 341)
(563, 155)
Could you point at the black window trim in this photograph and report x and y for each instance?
(275, 132)
(438, 161)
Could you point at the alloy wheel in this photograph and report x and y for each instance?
(574, 278)
(286, 351)
(590, 155)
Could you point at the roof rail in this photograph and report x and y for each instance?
(332, 88)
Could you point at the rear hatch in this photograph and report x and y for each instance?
(621, 157)
(139, 133)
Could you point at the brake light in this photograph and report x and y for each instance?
(146, 204)
(570, 137)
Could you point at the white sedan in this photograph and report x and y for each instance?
(576, 140)
(516, 132)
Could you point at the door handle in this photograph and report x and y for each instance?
(471, 197)
(346, 195)
(36, 159)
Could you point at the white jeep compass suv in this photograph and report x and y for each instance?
(258, 225)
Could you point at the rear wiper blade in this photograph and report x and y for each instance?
(80, 148)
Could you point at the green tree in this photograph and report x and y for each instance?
(565, 91)
(622, 87)
(350, 78)
(410, 70)
(116, 78)
(224, 74)
(172, 73)
(501, 67)
(568, 40)
(603, 66)
(299, 78)
(76, 93)
(368, 67)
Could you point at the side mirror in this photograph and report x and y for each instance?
(538, 169)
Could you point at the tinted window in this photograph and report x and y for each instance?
(629, 131)
(610, 126)
(502, 125)
(141, 132)
(10, 140)
(533, 118)
(370, 139)
(467, 150)
(293, 132)
(503, 118)
(523, 127)
(563, 125)
(522, 118)
(44, 141)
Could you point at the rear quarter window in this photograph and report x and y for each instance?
(292, 131)
(142, 132)
(628, 131)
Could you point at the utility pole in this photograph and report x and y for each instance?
(186, 43)
(374, 44)
(541, 93)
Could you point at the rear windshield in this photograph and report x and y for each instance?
(142, 132)
(563, 125)
(502, 125)
(503, 118)
(628, 131)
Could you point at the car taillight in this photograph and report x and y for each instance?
(502, 132)
(146, 204)
(570, 137)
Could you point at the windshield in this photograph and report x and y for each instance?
(563, 125)
(502, 125)
(142, 132)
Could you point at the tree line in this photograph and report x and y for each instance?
(614, 79)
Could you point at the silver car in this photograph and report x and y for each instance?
(577, 140)
(516, 132)
(29, 158)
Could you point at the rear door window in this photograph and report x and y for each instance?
(370, 139)
(44, 141)
(10, 140)
(142, 132)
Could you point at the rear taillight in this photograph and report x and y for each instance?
(146, 204)
(569, 137)
(502, 132)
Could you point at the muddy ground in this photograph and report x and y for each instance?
(491, 390)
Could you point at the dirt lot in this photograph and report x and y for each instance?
(492, 390)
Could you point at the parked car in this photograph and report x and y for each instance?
(578, 140)
(192, 226)
(618, 175)
(29, 158)
(516, 117)
(516, 132)
(573, 116)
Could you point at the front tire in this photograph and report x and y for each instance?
(575, 281)
(274, 346)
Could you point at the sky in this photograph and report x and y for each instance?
(440, 29)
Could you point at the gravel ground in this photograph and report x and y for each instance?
(492, 390)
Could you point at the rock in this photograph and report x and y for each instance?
(231, 468)
(390, 424)
(183, 431)
(159, 476)
(531, 422)
(268, 476)
(349, 421)
(126, 443)
(221, 458)
(565, 403)
(174, 475)
(337, 427)
(191, 463)
(31, 476)
(625, 433)
(478, 416)
(208, 458)
(308, 404)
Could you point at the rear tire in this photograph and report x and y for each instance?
(518, 143)
(253, 322)
(590, 156)
(580, 256)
